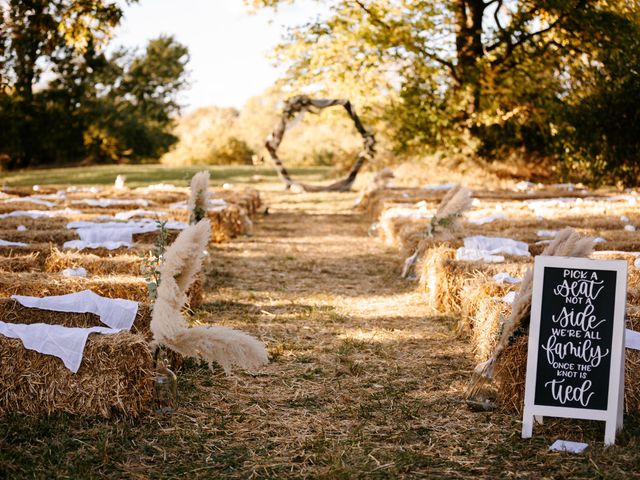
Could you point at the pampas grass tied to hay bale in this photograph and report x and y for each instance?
(505, 364)
(198, 202)
(225, 346)
(116, 375)
(443, 224)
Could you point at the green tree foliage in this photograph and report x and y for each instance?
(515, 75)
(63, 100)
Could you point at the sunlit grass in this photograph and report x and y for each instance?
(141, 175)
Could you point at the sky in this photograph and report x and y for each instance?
(227, 45)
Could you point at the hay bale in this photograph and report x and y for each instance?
(247, 199)
(486, 326)
(11, 311)
(441, 278)
(22, 263)
(124, 264)
(510, 372)
(40, 285)
(40, 236)
(55, 223)
(632, 366)
(41, 249)
(116, 375)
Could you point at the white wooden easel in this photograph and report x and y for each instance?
(615, 404)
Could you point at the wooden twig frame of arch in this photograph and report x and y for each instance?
(302, 103)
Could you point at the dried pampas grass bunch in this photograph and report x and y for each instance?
(567, 243)
(445, 221)
(198, 203)
(225, 346)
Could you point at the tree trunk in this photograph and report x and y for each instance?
(469, 48)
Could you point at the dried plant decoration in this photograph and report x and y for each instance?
(567, 243)
(445, 221)
(225, 346)
(198, 203)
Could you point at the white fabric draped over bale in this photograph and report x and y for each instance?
(112, 235)
(114, 312)
(67, 343)
(7, 243)
(488, 249)
(41, 213)
(109, 202)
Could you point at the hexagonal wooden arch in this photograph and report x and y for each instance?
(302, 103)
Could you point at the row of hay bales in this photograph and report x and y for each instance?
(117, 371)
(467, 290)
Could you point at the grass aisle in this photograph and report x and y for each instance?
(363, 382)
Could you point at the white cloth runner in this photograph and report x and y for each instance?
(442, 186)
(504, 277)
(108, 202)
(7, 243)
(547, 233)
(475, 255)
(509, 298)
(215, 205)
(488, 219)
(632, 339)
(497, 245)
(81, 245)
(37, 201)
(74, 272)
(63, 342)
(136, 213)
(40, 213)
(114, 312)
(112, 235)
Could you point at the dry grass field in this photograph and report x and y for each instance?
(366, 380)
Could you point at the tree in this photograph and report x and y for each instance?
(87, 106)
(503, 70)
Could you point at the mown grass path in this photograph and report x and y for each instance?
(364, 381)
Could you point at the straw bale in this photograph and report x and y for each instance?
(150, 237)
(41, 249)
(39, 236)
(225, 224)
(442, 277)
(116, 376)
(375, 202)
(124, 264)
(22, 262)
(11, 311)
(632, 366)
(247, 199)
(54, 223)
(10, 207)
(510, 372)
(398, 231)
(137, 249)
(486, 326)
(40, 285)
(479, 287)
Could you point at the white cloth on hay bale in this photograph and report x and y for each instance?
(67, 343)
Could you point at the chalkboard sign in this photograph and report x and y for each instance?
(575, 359)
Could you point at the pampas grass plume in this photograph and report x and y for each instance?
(225, 346)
